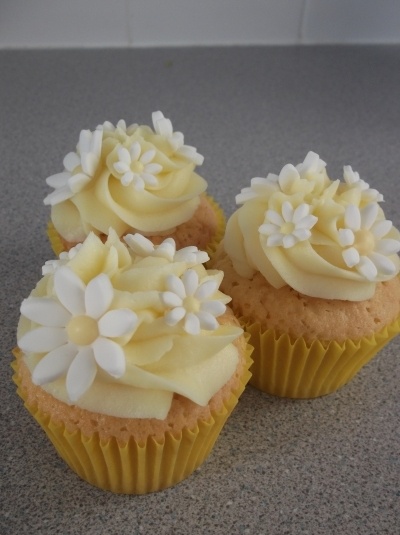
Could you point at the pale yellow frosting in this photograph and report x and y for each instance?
(322, 237)
(136, 180)
(155, 355)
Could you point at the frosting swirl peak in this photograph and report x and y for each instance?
(118, 330)
(126, 177)
(324, 238)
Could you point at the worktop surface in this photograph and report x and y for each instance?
(324, 466)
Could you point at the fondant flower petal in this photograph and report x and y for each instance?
(96, 142)
(124, 156)
(127, 178)
(368, 215)
(78, 182)
(216, 308)
(149, 180)
(175, 285)
(346, 237)
(162, 125)
(84, 141)
(383, 264)
(191, 154)
(121, 167)
(301, 234)
(174, 316)
(352, 217)
(153, 168)
(147, 156)
(367, 268)
(207, 321)
(89, 163)
(135, 150)
(58, 180)
(287, 176)
(170, 299)
(275, 240)
(138, 182)
(139, 244)
(206, 289)
(109, 356)
(288, 241)
(381, 228)
(274, 217)
(388, 246)
(54, 364)
(43, 339)
(268, 229)
(300, 213)
(98, 296)
(70, 290)
(45, 311)
(192, 324)
(71, 161)
(307, 222)
(57, 196)
(351, 256)
(190, 281)
(81, 373)
(287, 211)
(117, 322)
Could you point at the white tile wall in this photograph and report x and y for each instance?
(351, 21)
(199, 22)
(127, 23)
(63, 23)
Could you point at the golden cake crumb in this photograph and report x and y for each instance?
(288, 311)
(183, 412)
(200, 230)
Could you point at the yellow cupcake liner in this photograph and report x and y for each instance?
(58, 246)
(292, 368)
(221, 224)
(135, 467)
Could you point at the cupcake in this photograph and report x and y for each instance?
(130, 360)
(134, 179)
(311, 265)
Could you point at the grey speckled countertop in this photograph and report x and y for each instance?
(327, 466)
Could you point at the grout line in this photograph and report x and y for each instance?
(304, 10)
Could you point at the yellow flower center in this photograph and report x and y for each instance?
(191, 304)
(82, 330)
(364, 242)
(137, 167)
(287, 228)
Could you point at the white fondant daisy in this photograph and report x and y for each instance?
(76, 331)
(365, 247)
(136, 167)
(120, 127)
(163, 127)
(352, 178)
(80, 167)
(51, 265)
(312, 165)
(289, 227)
(142, 246)
(191, 303)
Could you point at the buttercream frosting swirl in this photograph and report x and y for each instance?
(119, 329)
(324, 238)
(131, 178)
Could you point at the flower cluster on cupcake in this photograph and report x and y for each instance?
(126, 177)
(324, 238)
(119, 328)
